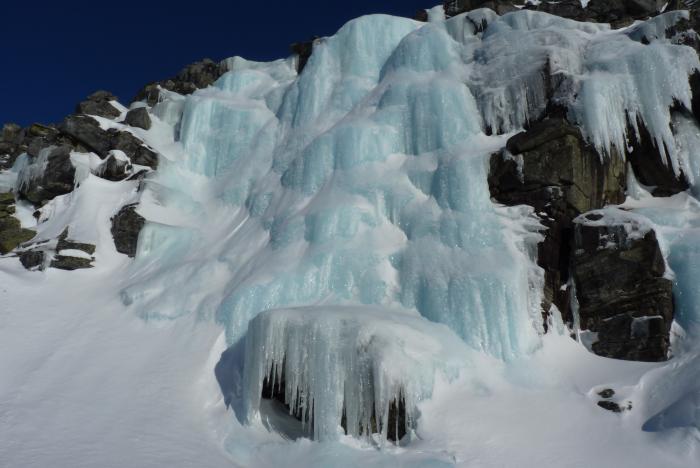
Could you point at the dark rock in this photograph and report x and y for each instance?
(57, 178)
(618, 269)
(114, 169)
(32, 259)
(126, 226)
(610, 406)
(138, 117)
(607, 393)
(134, 148)
(65, 262)
(551, 168)
(87, 131)
(191, 78)
(98, 103)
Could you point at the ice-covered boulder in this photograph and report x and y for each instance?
(622, 293)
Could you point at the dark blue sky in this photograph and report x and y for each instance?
(56, 52)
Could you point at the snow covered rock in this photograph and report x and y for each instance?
(623, 296)
(87, 132)
(99, 103)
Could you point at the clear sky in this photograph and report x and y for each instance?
(53, 53)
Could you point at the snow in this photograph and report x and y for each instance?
(337, 223)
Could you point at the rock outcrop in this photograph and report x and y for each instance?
(622, 293)
(126, 227)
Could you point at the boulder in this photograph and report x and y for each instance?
(49, 178)
(66, 244)
(134, 148)
(138, 117)
(126, 227)
(622, 293)
(87, 131)
(99, 103)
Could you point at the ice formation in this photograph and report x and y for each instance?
(362, 182)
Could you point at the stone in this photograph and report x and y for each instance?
(138, 117)
(607, 393)
(99, 103)
(618, 269)
(11, 144)
(126, 227)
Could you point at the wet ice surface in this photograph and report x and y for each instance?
(337, 223)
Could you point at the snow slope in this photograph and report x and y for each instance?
(341, 218)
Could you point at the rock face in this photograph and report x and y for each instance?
(99, 103)
(551, 168)
(303, 51)
(126, 226)
(11, 232)
(191, 78)
(623, 296)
